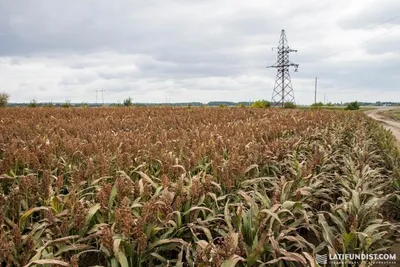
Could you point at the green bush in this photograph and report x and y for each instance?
(49, 105)
(317, 105)
(66, 104)
(261, 104)
(353, 106)
(4, 100)
(289, 105)
(33, 104)
(128, 102)
(222, 106)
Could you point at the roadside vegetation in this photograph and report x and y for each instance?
(393, 114)
(194, 187)
(353, 106)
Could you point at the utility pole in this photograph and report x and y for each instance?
(315, 96)
(283, 90)
(324, 98)
(97, 95)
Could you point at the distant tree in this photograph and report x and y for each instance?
(330, 104)
(241, 105)
(222, 105)
(353, 106)
(49, 105)
(289, 105)
(261, 104)
(33, 103)
(66, 104)
(128, 102)
(4, 100)
(219, 103)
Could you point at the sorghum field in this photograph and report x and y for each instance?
(193, 186)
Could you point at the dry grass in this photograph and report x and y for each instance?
(393, 114)
(193, 187)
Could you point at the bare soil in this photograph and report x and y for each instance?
(392, 125)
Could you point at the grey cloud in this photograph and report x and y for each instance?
(186, 47)
(373, 14)
(384, 44)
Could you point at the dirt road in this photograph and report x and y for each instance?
(387, 123)
(395, 128)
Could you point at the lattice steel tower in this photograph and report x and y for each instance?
(283, 90)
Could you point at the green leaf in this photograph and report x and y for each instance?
(227, 216)
(113, 194)
(167, 241)
(122, 259)
(70, 248)
(349, 240)
(206, 231)
(272, 214)
(28, 213)
(232, 261)
(114, 262)
(197, 208)
(42, 262)
(147, 178)
(38, 254)
(326, 230)
(159, 257)
(92, 211)
(288, 204)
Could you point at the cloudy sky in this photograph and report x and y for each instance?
(197, 50)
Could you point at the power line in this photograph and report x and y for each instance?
(363, 42)
(373, 38)
(389, 20)
(386, 33)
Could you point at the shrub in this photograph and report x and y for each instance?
(4, 100)
(222, 106)
(49, 105)
(261, 104)
(317, 105)
(33, 103)
(289, 105)
(128, 102)
(66, 104)
(353, 106)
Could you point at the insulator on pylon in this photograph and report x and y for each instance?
(283, 90)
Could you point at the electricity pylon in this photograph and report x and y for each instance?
(102, 94)
(283, 90)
